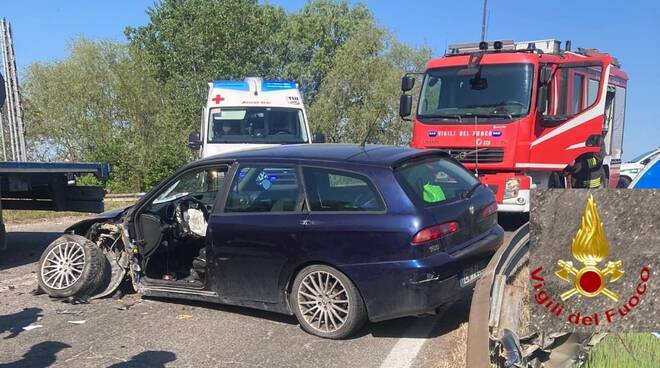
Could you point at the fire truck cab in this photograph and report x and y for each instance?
(522, 115)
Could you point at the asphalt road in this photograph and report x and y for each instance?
(135, 332)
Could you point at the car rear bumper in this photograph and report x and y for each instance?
(404, 288)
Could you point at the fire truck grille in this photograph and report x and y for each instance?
(483, 155)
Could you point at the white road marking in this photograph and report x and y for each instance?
(405, 351)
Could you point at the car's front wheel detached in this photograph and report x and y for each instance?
(327, 303)
(71, 266)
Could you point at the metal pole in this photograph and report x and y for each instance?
(9, 104)
(18, 106)
(2, 136)
(483, 21)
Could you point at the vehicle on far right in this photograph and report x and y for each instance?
(523, 115)
(630, 169)
(649, 178)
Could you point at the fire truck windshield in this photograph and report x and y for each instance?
(496, 91)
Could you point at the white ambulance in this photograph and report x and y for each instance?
(251, 113)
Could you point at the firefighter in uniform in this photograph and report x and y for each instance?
(588, 172)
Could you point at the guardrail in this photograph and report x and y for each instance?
(123, 197)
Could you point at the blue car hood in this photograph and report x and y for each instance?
(108, 215)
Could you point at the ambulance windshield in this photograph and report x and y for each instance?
(257, 125)
(495, 91)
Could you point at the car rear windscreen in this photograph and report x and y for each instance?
(434, 181)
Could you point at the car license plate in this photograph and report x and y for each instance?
(471, 273)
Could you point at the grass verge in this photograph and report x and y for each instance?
(622, 350)
(20, 216)
(457, 357)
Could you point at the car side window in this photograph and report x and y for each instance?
(258, 189)
(334, 190)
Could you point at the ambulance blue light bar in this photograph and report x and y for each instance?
(233, 85)
(267, 86)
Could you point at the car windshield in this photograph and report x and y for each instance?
(500, 90)
(641, 157)
(257, 125)
(435, 181)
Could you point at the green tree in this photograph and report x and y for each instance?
(311, 37)
(189, 43)
(97, 104)
(134, 105)
(360, 93)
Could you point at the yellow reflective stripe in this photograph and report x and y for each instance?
(592, 162)
(593, 183)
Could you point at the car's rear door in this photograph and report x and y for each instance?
(347, 218)
(256, 232)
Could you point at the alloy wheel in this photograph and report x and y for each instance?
(63, 265)
(323, 301)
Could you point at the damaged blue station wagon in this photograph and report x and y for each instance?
(335, 234)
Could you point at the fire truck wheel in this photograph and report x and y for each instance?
(556, 181)
(72, 266)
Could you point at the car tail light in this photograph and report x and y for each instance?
(434, 232)
(489, 210)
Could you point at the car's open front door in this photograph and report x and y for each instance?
(155, 214)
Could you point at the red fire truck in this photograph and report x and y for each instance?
(522, 115)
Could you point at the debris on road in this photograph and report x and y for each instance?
(75, 300)
(126, 306)
(81, 322)
(183, 317)
(65, 311)
(32, 327)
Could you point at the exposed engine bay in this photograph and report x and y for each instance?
(107, 236)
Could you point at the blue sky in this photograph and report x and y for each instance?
(627, 30)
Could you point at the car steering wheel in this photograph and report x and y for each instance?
(280, 132)
(201, 206)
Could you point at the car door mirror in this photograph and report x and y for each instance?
(405, 106)
(407, 83)
(542, 99)
(645, 161)
(194, 141)
(318, 138)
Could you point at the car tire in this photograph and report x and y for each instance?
(327, 303)
(624, 182)
(72, 266)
